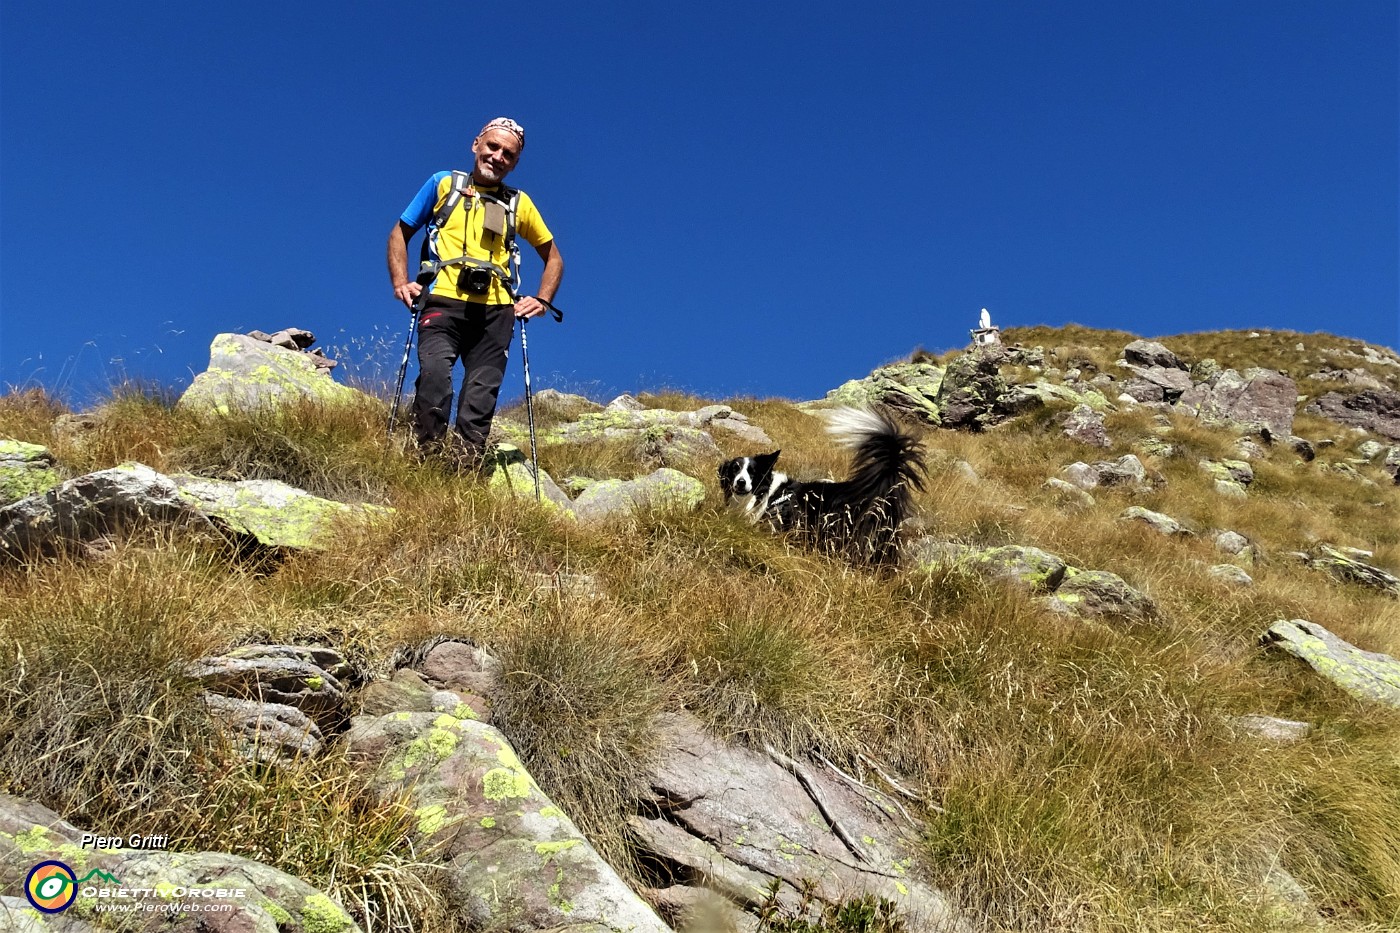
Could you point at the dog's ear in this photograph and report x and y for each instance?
(768, 459)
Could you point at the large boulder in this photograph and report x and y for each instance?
(1350, 568)
(514, 860)
(1364, 674)
(1149, 353)
(1258, 398)
(971, 394)
(160, 887)
(246, 373)
(90, 507)
(1375, 410)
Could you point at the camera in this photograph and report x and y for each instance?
(475, 281)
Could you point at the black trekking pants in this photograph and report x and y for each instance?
(479, 335)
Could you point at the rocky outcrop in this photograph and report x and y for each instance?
(737, 821)
(247, 373)
(1148, 353)
(156, 884)
(1375, 410)
(1257, 398)
(1364, 674)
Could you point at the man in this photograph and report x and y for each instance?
(469, 312)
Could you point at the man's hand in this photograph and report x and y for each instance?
(529, 306)
(408, 292)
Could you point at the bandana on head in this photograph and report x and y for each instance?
(507, 124)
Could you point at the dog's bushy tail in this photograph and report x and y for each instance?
(886, 470)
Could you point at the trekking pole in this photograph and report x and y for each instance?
(423, 278)
(529, 397)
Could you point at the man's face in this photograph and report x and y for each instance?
(496, 153)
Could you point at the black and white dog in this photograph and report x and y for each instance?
(858, 517)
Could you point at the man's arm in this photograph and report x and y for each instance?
(404, 289)
(529, 306)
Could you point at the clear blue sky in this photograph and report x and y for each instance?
(751, 198)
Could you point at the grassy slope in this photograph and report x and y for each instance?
(1075, 775)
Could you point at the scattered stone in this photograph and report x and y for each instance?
(625, 402)
(1162, 524)
(1231, 542)
(245, 373)
(1229, 573)
(1368, 450)
(1271, 728)
(1028, 567)
(672, 445)
(513, 474)
(966, 472)
(1250, 449)
(1364, 674)
(1069, 492)
(270, 512)
(266, 733)
(1086, 426)
(1375, 410)
(1257, 398)
(909, 388)
(665, 488)
(458, 665)
(1345, 566)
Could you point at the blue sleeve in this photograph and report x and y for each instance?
(420, 209)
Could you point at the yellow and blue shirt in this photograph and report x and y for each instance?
(463, 234)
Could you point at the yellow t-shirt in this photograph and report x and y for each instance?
(464, 234)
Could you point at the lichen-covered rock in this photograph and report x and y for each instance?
(1127, 470)
(268, 733)
(972, 391)
(1086, 426)
(245, 373)
(1069, 493)
(1100, 594)
(270, 512)
(1347, 567)
(106, 502)
(259, 899)
(1230, 471)
(1257, 398)
(1364, 674)
(513, 474)
(25, 470)
(1028, 567)
(515, 861)
(911, 388)
(671, 445)
(665, 488)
